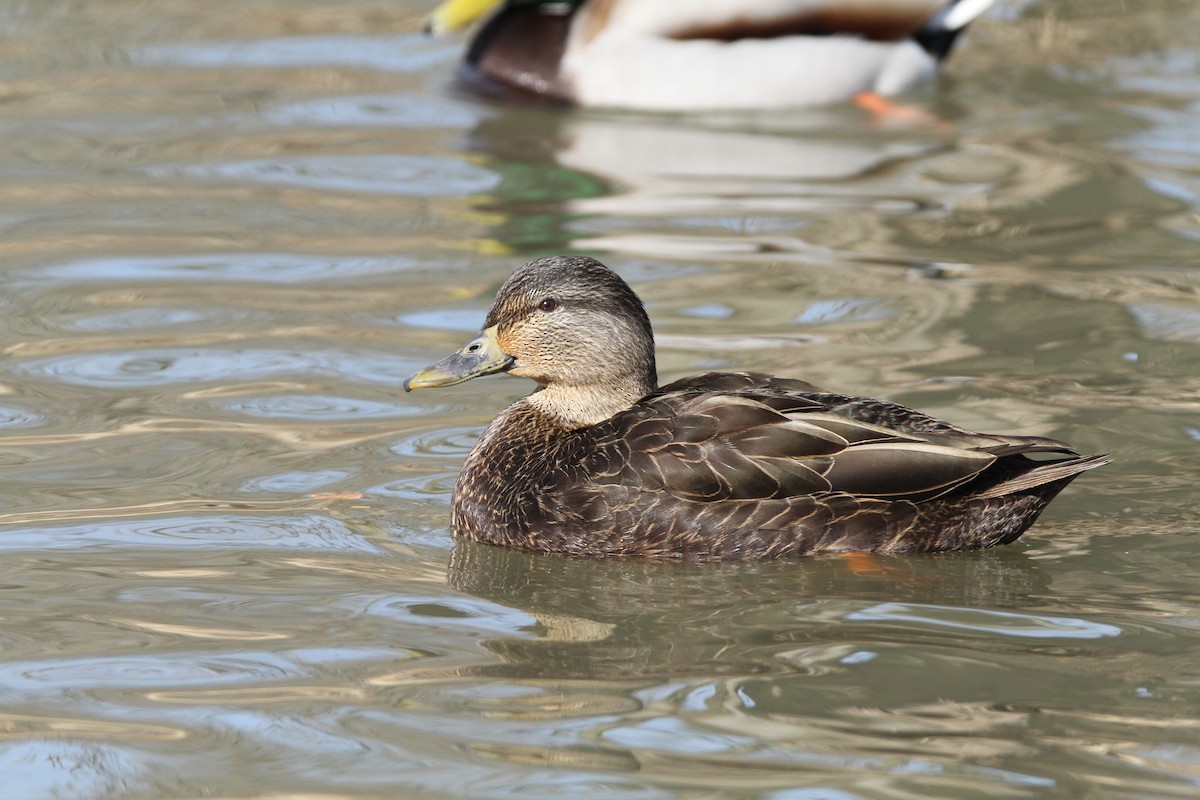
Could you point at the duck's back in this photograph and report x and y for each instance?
(745, 466)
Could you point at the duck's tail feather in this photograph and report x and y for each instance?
(1050, 472)
(937, 35)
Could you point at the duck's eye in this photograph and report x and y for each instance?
(548, 305)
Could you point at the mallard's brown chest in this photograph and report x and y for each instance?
(499, 492)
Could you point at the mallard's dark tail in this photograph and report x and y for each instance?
(1043, 474)
(938, 34)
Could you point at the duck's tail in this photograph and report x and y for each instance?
(937, 35)
(1043, 474)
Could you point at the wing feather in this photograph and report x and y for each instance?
(909, 470)
(745, 436)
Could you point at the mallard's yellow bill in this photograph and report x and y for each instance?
(480, 356)
(454, 15)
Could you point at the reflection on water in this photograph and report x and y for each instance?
(619, 619)
(380, 110)
(407, 53)
(230, 234)
(249, 267)
(426, 176)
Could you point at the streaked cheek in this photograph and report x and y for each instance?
(506, 338)
(519, 342)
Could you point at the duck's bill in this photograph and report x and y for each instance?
(454, 15)
(480, 356)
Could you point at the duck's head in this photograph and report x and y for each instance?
(454, 15)
(570, 324)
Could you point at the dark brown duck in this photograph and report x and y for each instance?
(600, 461)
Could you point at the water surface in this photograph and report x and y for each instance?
(231, 229)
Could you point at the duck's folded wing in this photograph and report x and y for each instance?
(713, 447)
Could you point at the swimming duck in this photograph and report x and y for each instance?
(681, 55)
(601, 461)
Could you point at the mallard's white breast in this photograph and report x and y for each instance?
(617, 68)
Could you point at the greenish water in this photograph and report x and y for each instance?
(229, 230)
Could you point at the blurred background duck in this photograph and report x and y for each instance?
(681, 55)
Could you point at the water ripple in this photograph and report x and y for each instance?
(18, 418)
(458, 612)
(675, 735)
(145, 318)
(846, 309)
(467, 320)
(1168, 322)
(162, 367)
(317, 407)
(407, 53)
(425, 486)
(1166, 72)
(1003, 623)
(40, 768)
(138, 671)
(248, 267)
(413, 176)
(708, 311)
(302, 532)
(450, 441)
(296, 482)
(375, 111)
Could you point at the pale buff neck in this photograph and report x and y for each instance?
(581, 406)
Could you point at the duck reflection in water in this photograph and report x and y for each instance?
(620, 618)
